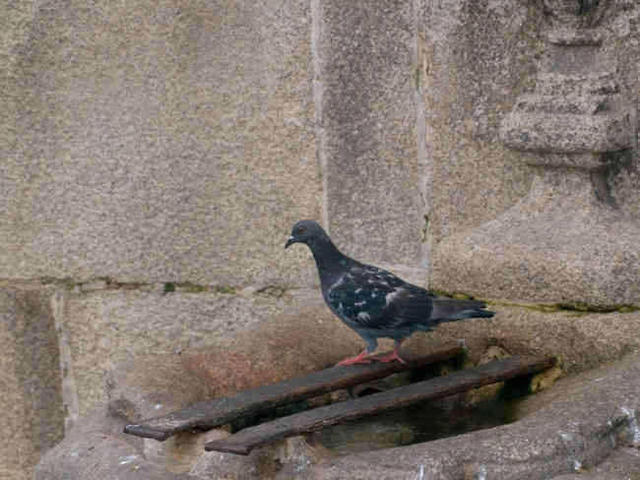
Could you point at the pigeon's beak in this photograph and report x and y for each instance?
(291, 240)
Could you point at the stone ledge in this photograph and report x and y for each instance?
(574, 37)
(558, 244)
(568, 133)
(567, 104)
(598, 83)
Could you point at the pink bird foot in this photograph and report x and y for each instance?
(364, 357)
(390, 357)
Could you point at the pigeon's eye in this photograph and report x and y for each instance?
(300, 230)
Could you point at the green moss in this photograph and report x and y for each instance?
(417, 76)
(273, 291)
(424, 231)
(125, 285)
(628, 309)
(456, 295)
(583, 307)
(66, 282)
(192, 287)
(577, 308)
(226, 289)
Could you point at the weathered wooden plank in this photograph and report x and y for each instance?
(245, 440)
(208, 414)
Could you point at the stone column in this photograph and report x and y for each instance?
(568, 240)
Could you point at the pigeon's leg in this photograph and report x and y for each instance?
(365, 356)
(395, 355)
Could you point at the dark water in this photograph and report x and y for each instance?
(417, 423)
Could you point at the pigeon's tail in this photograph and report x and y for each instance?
(450, 310)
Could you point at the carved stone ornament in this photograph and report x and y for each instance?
(567, 240)
(577, 13)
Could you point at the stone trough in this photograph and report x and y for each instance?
(586, 420)
(206, 415)
(305, 422)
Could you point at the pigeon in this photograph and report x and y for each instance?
(374, 302)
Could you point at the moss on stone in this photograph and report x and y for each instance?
(577, 308)
(190, 287)
(66, 282)
(544, 380)
(273, 291)
(456, 295)
(226, 289)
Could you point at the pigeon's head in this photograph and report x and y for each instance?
(306, 231)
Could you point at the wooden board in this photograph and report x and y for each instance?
(245, 440)
(208, 414)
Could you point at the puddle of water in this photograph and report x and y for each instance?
(417, 423)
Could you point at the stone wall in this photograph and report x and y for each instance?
(148, 147)
(158, 141)
(157, 153)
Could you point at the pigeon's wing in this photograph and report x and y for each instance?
(409, 305)
(368, 297)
